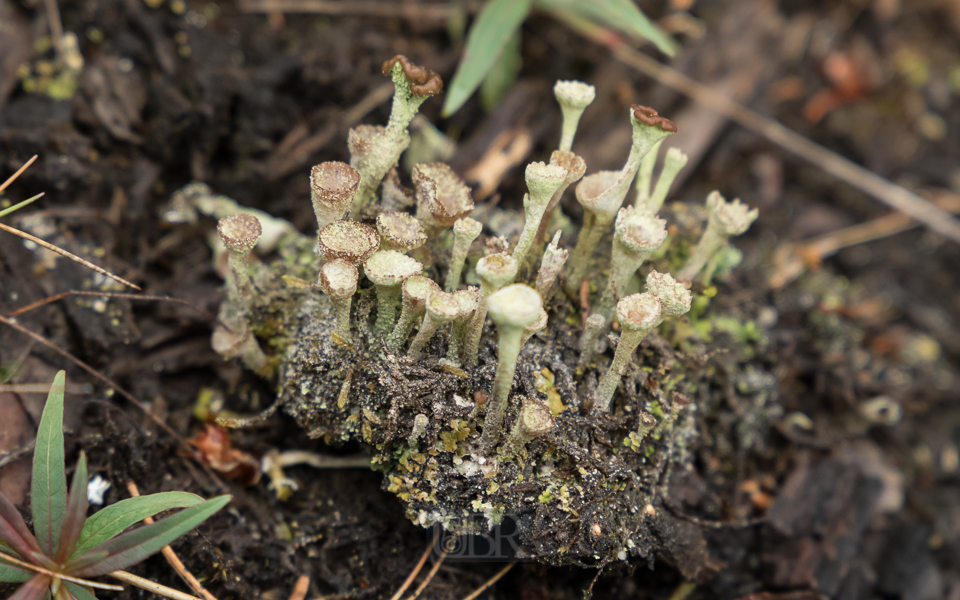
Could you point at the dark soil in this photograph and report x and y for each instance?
(835, 504)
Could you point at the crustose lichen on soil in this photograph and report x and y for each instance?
(377, 331)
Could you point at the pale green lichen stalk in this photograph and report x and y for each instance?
(672, 163)
(644, 183)
(494, 271)
(338, 280)
(415, 292)
(442, 308)
(375, 150)
(535, 420)
(240, 234)
(333, 186)
(465, 231)
(543, 180)
(468, 300)
(638, 314)
(727, 219)
(602, 194)
(551, 266)
(593, 327)
(388, 269)
(636, 236)
(512, 309)
(574, 97)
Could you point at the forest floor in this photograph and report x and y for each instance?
(819, 497)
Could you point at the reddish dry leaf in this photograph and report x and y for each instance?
(217, 452)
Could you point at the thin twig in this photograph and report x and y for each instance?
(792, 259)
(19, 172)
(416, 569)
(429, 578)
(62, 252)
(150, 586)
(110, 383)
(864, 180)
(41, 570)
(490, 582)
(14, 455)
(172, 557)
(301, 588)
(61, 295)
(56, 27)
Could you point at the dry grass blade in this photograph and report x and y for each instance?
(429, 578)
(301, 588)
(172, 557)
(61, 295)
(792, 259)
(150, 586)
(416, 569)
(19, 172)
(476, 593)
(864, 180)
(77, 580)
(62, 252)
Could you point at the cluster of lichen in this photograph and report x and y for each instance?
(378, 350)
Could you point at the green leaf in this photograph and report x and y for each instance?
(619, 14)
(130, 548)
(116, 518)
(497, 22)
(49, 488)
(80, 592)
(11, 574)
(503, 74)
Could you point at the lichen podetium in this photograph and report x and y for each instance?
(499, 416)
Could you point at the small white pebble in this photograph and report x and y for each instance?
(95, 490)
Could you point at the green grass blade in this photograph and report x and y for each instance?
(20, 205)
(622, 15)
(49, 487)
(116, 518)
(503, 74)
(130, 548)
(79, 592)
(499, 20)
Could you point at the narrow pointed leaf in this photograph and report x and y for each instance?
(619, 14)
(116, 518)
(80, 592)
(130, 548)
(12, 574)
(34, 589)
(503, 74)
(13, 530)
(49, 487)
(497, 22)
(76, 512)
